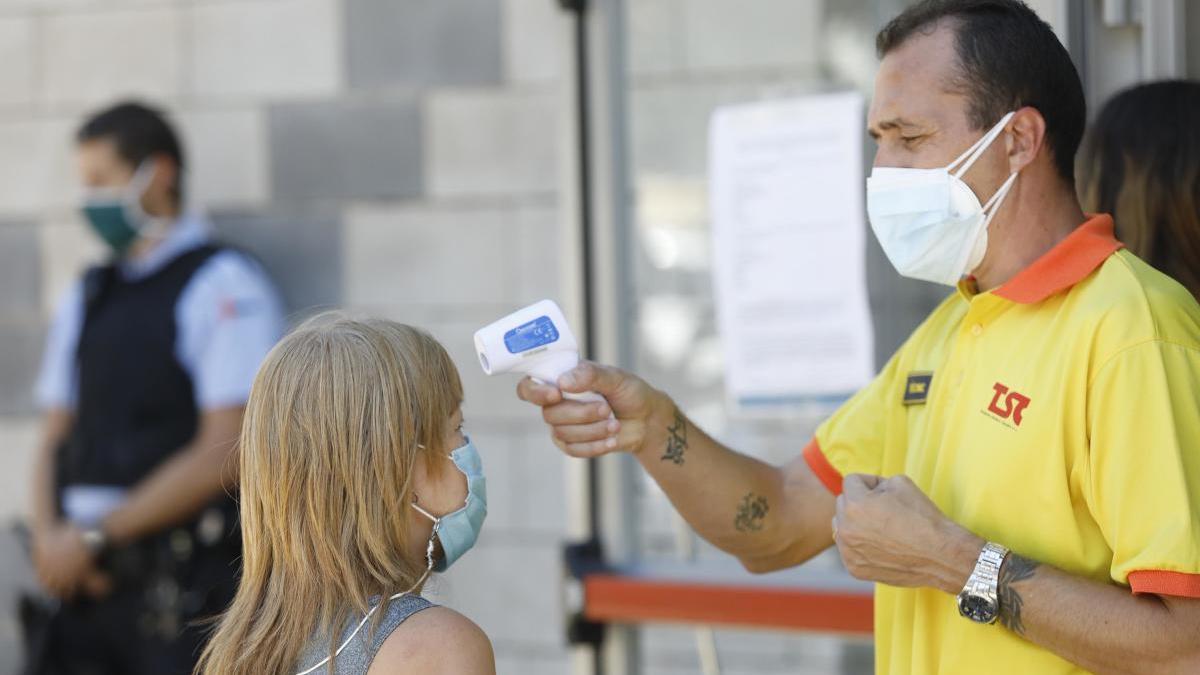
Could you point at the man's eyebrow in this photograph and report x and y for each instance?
(893, 123)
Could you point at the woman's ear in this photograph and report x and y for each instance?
(422, 480)
(454, 431)
(1025, 138)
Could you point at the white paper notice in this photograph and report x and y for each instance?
(786, 184)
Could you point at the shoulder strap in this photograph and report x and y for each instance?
(97, 282)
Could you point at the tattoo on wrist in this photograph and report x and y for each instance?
(1014, 569)
(750, 513)
(677, 441)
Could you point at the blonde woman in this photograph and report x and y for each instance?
(356, 483)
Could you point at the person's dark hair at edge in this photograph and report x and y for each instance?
(139, 132)
(1007, 58)
(1141, 163)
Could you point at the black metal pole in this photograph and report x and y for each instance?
(591, 548)
(578, 8)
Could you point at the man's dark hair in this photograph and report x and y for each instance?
(1007, 58)
(139, 132)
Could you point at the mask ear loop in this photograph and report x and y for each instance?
(997, 198)
(429, 549)
(147, 226)
(968, 158)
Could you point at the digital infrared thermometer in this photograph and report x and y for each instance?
(534, 341)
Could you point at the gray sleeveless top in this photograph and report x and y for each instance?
(356, 658)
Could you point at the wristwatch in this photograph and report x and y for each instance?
(95, 539)
(978, 600)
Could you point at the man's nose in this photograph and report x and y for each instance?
(884, 157)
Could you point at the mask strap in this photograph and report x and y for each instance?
(142, 176)
(436, 521)
(967, 159)
(147, 226)
(425, 575)
(998, 198)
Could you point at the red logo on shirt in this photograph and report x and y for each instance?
(1014, 404)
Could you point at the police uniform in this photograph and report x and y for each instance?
(139, 349)
(1058, 415)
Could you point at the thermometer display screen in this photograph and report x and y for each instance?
(537, 333)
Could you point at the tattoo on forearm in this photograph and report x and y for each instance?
(750, 513)
(1015, 568)
(677, 441)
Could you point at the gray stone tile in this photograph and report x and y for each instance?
(492, 142)
(535, 40)
(541, 480)
(20, 270)
(301, 250)
(509, 587)
(227, 156)
(17, 56)
(263, 50)
(37, 167)
(423, 42)
(18, 449)
(20, 354)
(346, 149)
(92, 57)
(541, 247)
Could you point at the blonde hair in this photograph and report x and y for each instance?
(340, 411)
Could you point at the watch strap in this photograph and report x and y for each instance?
(985, 579)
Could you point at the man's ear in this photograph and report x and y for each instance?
(164, 179)
(1025, 138)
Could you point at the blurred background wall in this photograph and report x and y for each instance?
(395, 157)
(406, 157)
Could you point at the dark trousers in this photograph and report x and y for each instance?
(113, 636)
(154, 623)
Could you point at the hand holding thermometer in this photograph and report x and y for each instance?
(534, 341)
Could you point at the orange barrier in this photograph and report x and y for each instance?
(779, 603)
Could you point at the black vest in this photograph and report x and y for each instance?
(136, 404)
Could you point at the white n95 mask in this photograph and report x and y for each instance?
(929, 223)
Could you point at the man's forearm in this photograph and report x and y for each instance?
(182, 485)
(890, 532)
(736, 502)
(44, 504)
(174, 492)
(1101, 627)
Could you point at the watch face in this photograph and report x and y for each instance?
(977, 608)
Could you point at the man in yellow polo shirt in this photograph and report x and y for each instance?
(1023, 478)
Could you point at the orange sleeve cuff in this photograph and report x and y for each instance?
(1160, 582)
(829, 476)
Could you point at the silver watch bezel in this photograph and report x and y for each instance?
(95, 539)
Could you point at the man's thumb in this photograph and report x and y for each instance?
(588, 376)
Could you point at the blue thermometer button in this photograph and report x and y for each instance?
(537, 333)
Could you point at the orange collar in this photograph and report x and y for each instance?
(1068, 263)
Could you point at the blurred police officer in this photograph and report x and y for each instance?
(148, 364)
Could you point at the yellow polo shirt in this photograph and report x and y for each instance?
(1058, 415)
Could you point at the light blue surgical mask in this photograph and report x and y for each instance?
(459, 530)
